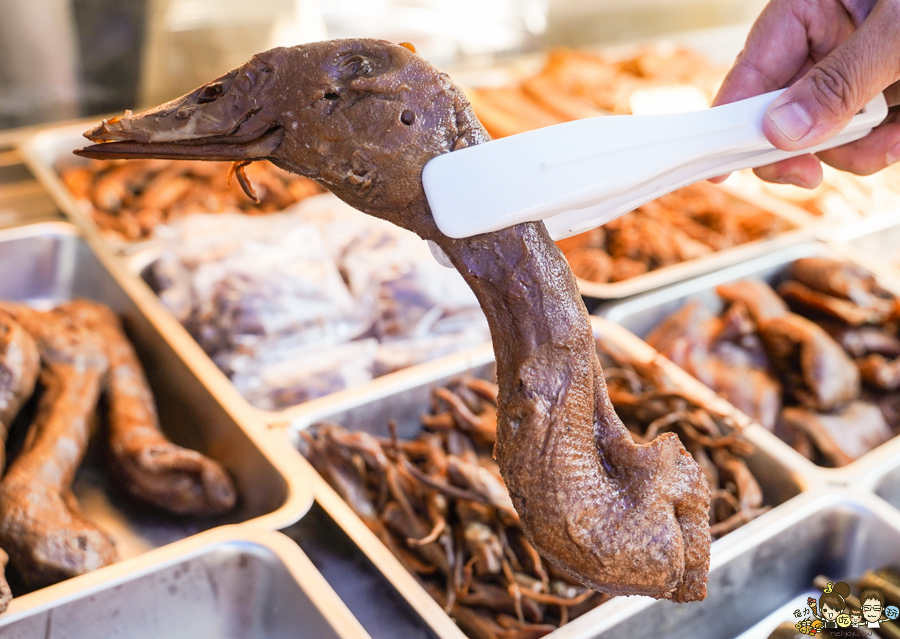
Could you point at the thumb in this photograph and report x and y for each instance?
(821, 103)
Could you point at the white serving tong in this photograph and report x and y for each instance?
(579, 175)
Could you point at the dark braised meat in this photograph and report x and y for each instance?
(20, 364)
(363, 117)
(41, 526)
(128, 200)
(842, 337)
(78, 352)
(816, 369)
(828, 431)
(650, 404)
(150, 466)
(725, 354)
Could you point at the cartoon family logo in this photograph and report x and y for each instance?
(833, 610)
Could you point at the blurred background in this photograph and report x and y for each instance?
(65, 59)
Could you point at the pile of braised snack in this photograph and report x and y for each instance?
(692, 222)
(438, 502)
(129, 199)
(67, 358)
(581, 84)
(817, 362)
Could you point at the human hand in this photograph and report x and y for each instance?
(835, 56)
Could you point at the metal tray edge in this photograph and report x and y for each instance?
(293, 558)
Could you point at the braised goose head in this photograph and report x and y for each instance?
(363, 117)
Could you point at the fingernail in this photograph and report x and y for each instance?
(894, 154)
(792, 120)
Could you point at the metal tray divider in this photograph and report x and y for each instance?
(805, 473)
(851, 230)
(392, 570)
(40, 152)
(679, 293)
(302, 416)
(790, 515)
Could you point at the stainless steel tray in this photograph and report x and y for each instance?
(233, 582)
(404, 402)
(642, 313)
(755, 586)
(47, 263)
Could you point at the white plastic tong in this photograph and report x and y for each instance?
(579, 175)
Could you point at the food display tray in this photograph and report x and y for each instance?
(233, 582)
(642, 313)
(52, 262)
(757, 585)
(405, 402)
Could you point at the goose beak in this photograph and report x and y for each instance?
(224, 120)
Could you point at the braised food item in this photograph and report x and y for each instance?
(78, 352)
(816, 360)
(363, 117)
(303, 303)
(151, 467)
(578, 84)
(129, 200)
(41, 526)
(20, 364)
(650, 404)
(689, 223)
